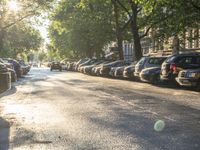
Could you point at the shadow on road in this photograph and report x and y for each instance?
(4, 134)
(13, 90)
(137, 120)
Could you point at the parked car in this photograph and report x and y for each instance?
(56, 66)
(16, 65)
(3, 68)
(13, 75)
(66, 62)
(189, 78)
(152, 74)
(96, 69)
(175, 63)
(87, 63)
(129, 71)
(81, 61)
(88, 69)
(105, 69)
(48, 64)
(119, 70)
(5, 78)
(70, 65)
(112, 71)
(8, 65)
(10, 69)
(25, 67)
(147, 62)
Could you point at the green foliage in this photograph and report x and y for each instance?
(17, 36)
(81, 28)
(42, 56)
(22, 37)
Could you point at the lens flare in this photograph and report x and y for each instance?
(13, 5)
(159, 125)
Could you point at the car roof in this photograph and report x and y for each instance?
(187, 54)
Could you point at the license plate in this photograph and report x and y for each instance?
(185, 81)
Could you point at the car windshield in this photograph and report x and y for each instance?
(142, 60)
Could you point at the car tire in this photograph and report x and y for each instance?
(13, 78)
(155, 80)
(198, 87)
(51, 69)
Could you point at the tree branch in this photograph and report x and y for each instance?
(18, 20)
(126, 10)
(125, 25)
(139, 9)
(146, 32)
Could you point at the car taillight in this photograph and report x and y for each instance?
(173, 67)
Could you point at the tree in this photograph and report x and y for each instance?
(9, 16)
(21, 38)
(82, 27)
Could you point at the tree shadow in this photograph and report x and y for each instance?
(4, 134)
(182, 122)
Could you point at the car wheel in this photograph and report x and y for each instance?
(156, 79)
(14, 78)
(198, 87)
(51, 69)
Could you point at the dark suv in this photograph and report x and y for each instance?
(147, 62)
(189, 78)
(175, 63)
(56, 66)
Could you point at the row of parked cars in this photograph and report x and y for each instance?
(179, 69)
(10, 71)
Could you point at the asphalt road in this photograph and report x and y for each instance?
(71, 111)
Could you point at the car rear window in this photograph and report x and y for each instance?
(156, 61)
(185, 60)
(171, 59)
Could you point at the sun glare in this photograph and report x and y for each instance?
(13, 5)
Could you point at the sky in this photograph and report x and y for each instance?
(43, 20)
(41, 25)
(43, 29)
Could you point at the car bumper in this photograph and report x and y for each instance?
(111, 73)
(187, 82)
(118, 74)
(137, 74)
(146, 77)
(127, 74)
(169, 77)
(104, 72)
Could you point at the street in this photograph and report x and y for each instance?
(71, 111)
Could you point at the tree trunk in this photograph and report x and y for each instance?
(135, 32)
(1, 40)
(118, 31)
